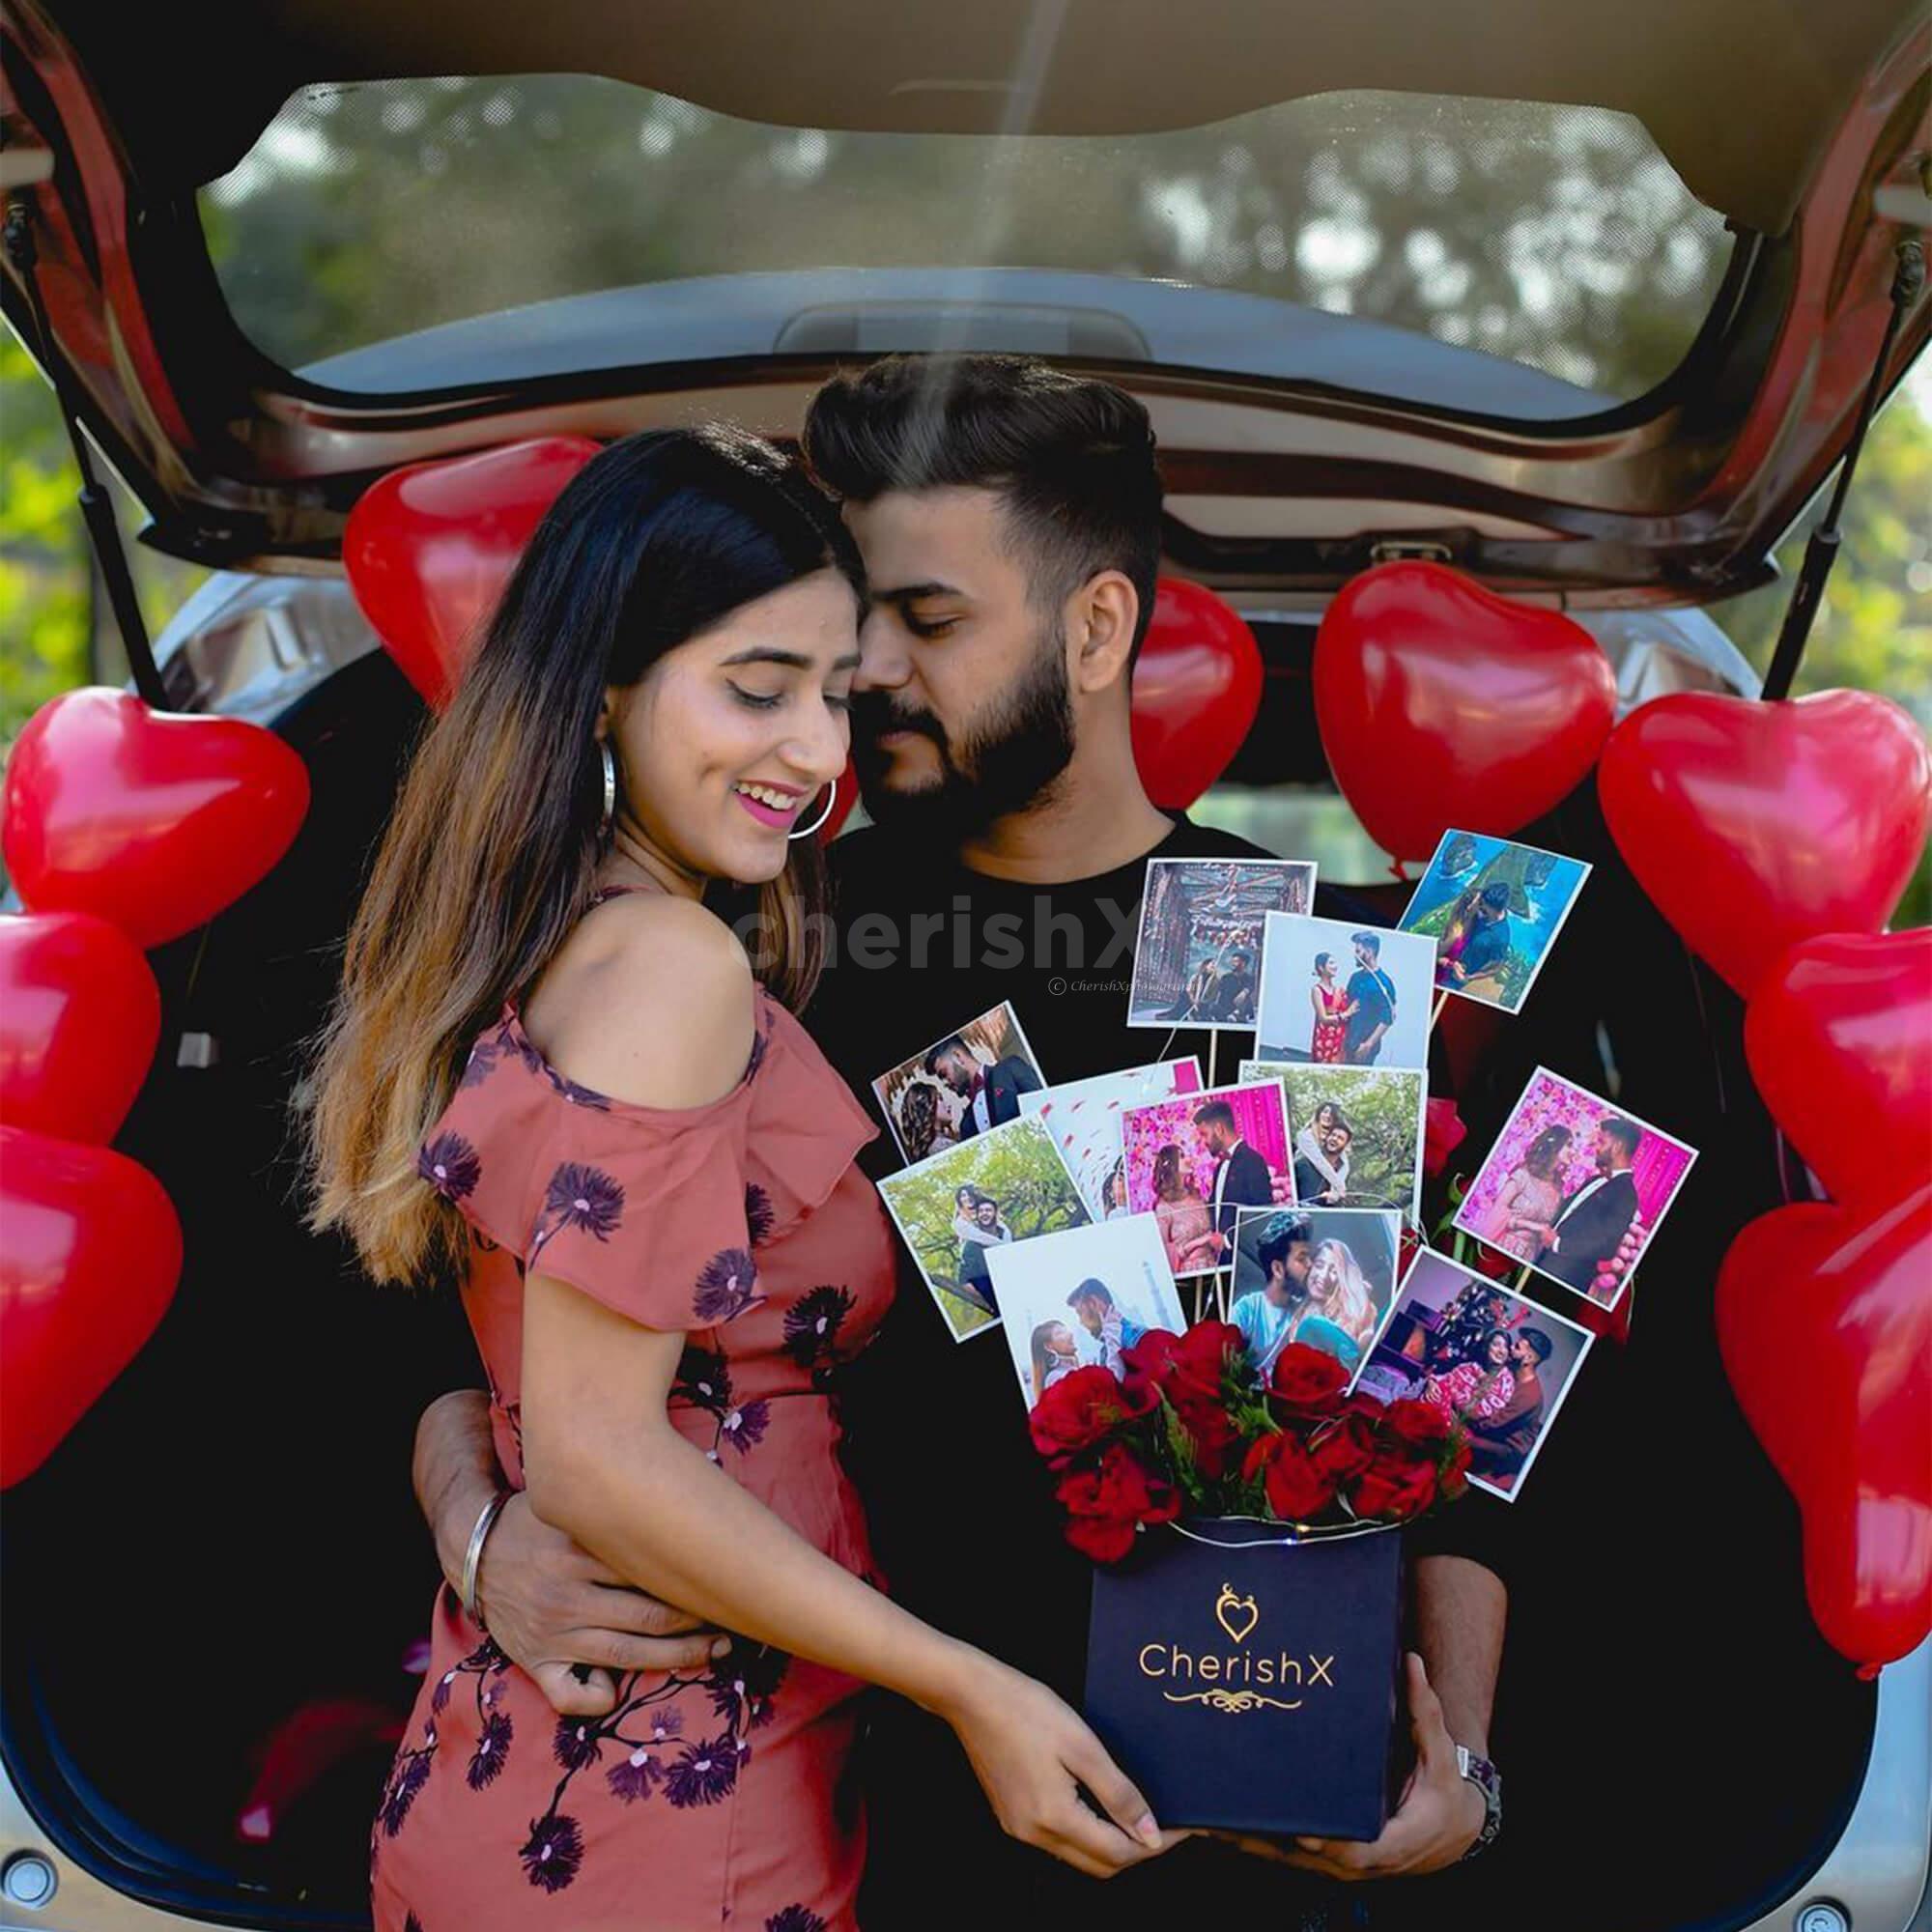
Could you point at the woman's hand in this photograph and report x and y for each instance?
(1033, 1755)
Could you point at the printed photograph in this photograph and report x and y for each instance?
(1354, 1132)
(1575, 1187)
(1005, 1185)
(1084, 1118)
(1494, 909)
(1076, 1300)
(1193, 1163)
(1322, 1276)
(1198, 960)
(1500, 1362)
(1335, 994)
(960, 1086)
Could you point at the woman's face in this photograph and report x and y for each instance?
(1499, 1349)
(1325, 1275)
(963, 1200)
(1061, 1341)
(727, 741)
(1324, 1116)
(1325, 972)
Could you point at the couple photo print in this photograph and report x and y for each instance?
(959, 1085)
(1084, 1118)
(1339, 994)
(1478, 1350)
(1193, 1163)
(1076, 1300)
(1494, 909)
(1575, 1187)
(1354, 1132)
(1198, 960)
(1324, 1277)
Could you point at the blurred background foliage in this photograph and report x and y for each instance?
(1555, 237)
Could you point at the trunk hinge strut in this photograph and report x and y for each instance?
(97, 506)
(1822, 552)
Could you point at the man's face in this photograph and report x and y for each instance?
(956, 1069)
(987, 1213)
(1335, 1142)
(1521, 1353)
(1289, 1276)
(1217, 1137)
(1364, 955)
(961, 711)
(1606, 1152)
(1090, 1314)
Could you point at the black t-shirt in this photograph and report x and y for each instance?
(962, 1507)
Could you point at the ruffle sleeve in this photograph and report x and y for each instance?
(644, 1210)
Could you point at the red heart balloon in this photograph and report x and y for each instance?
(151, 822)
(1755, 826)
(79, 1016)
(1197, 688)
(90, 1252)
(1441, 704)
(1826, 1330)
(1839, 1036)
(428, 549)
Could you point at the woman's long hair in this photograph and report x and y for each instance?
(1540, 1161)
(494, 844)
(1042, 1356)
(1167, 1173)
(1352, 1308)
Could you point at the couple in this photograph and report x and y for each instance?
(1477, 938)
(661, 1233)
(1498, 1394)
(1056, 1355)
(989, 1095)
(1220, 991)
(977, 1224)
(1312, 1293)
(1574, 1236)
(1321, 1157)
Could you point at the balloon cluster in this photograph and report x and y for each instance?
(122, 828)
(1777, 839)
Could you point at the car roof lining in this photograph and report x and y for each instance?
(1741, 95)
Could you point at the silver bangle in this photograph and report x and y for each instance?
(472, 1557)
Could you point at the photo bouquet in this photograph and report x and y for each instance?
(1246, 1641)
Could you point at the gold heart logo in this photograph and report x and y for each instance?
(1237, 1615)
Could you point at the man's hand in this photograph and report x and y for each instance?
(554, 1609)
(1437, 1820)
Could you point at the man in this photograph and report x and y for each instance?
(1233, 1001)
(986, 1233)
(1263, 1314)
(1241, 1176)
(1311, 1184)
(992, 1093)
(1010, 519)
(1590, 1226)
(1092, 1306)
(1499, 1443)
(1487, 941)
(1372, 992)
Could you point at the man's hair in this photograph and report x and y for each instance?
(1098, 1290)
(1539, 1342)
(1626, 1133)
(1071, 458)
(952, 1043)
(1279, 1234)
(1497, 892)
(1215, 1113)
(1372, 940)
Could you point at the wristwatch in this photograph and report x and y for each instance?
(1484, 1775)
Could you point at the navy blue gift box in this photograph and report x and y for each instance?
(1248, 1682)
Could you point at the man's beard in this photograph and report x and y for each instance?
(1007, 759)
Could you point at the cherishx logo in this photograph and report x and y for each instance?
(1230, 1679)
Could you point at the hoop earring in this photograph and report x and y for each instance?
(831, 800)
(610, 818)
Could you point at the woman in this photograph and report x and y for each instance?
(918, 1120)
(1053, 1356)
(1114, 1192)
(1333, 1008)
(1339, 1315)
(643, 1218)
(1477, 1389)
(1531, 1198)
(1187, 1221)
(1310, 1144)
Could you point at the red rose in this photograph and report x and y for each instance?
(1187, 1369)
(1078, 1411)
(1298, 1489)
(1213, 1435)
(1106, 1504)
(1423, 1425)
(1443, 1133)
(1398, 1483)
(1343, 1449)
(1454, 1478)
(1307, 1381)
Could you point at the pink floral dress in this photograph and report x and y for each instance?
(714, 1796)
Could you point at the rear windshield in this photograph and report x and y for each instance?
(1499, 256)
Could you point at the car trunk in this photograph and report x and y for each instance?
(229, 1537)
